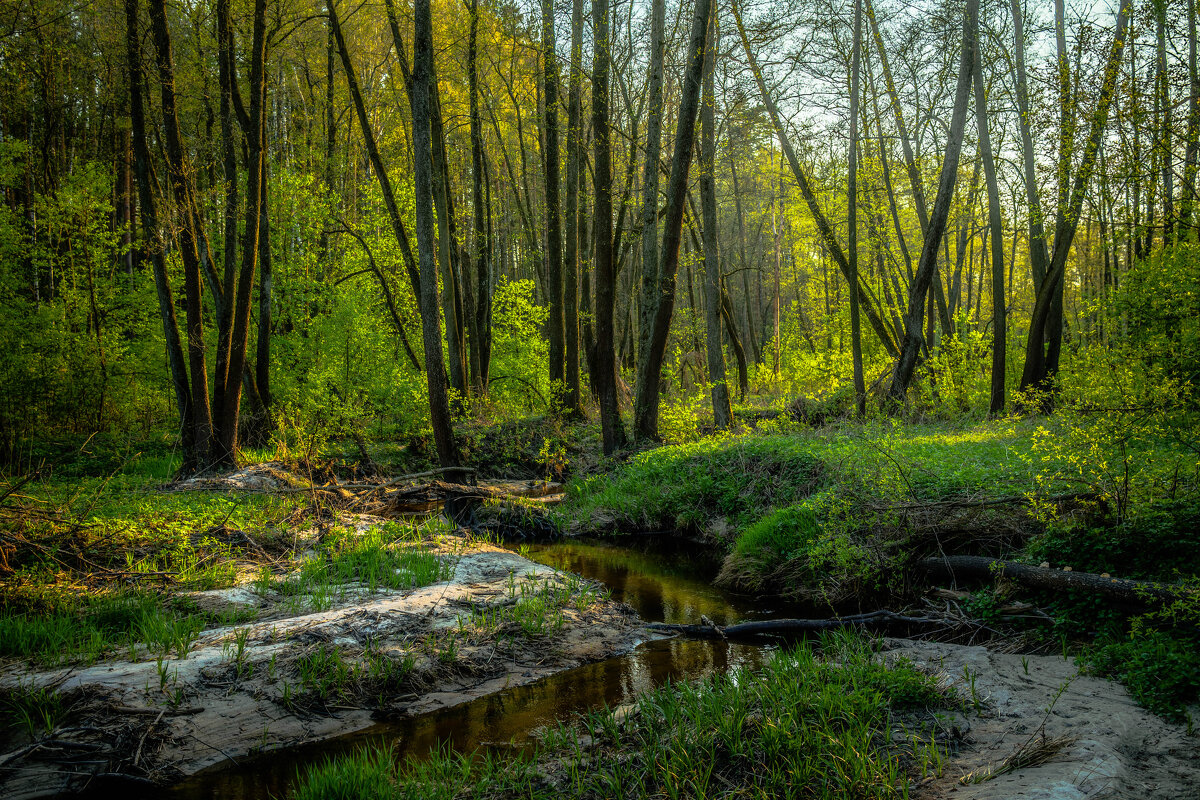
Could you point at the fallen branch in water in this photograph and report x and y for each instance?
(782, 627)
(1131, 592)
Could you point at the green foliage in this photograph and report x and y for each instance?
(1161, 669)
(805, 726)
(78, 329)
(957, 375)
(687, 486)
(520, 367)
(780, 533)
(1160, 299)
(1160, 543)
(38, 709)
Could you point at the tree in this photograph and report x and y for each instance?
(1040, 366)
(554, 282)
(722, 413)
(860, 388)
(575, 153)
(153, 244)
(999, 331)
(604, 379)
(650, 367)
(421, 100)
(907, 362)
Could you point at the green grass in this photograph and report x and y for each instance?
(814, 723)
(83, 628)
(387, 556)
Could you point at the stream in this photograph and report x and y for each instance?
(664, 581)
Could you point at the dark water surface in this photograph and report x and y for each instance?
(663, 583)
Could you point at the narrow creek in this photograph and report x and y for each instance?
(662, 581)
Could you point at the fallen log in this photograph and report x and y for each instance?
(793, 627)
(1131, 592)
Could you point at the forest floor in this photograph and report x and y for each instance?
(352, 620)
(153, 629)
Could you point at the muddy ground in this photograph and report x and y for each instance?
(295, 675)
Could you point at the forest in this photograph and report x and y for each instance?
(883, 315)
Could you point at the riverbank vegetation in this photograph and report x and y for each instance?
(823, 719)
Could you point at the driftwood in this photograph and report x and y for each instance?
(786, 627)
(1129, 592)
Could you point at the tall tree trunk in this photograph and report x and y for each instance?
(228, 84)
(913, 339)
(860, 387)
(722, 413)
(266, 285)
(153, 244)
(1066, 157)
(648, 298)
(573, 402)
(227, 425)
(999, 330)
(649, 378)
(480, 239)
(742, 262)
(554, 269)
(1163, 89)
(1038, 366)
(448, 250)
(604, 379)
(1038, 259)
(1187, 206)
(421, 98)
(180, 175)
(739, 352)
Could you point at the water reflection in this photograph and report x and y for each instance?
(660, 586)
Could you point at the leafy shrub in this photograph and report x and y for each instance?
(1161, 671)
(1159, 543)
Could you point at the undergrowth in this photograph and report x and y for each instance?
(814, 723)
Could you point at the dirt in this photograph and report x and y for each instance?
(1114, 748)
(399, 652)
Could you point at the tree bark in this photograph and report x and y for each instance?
(1164, 135)
(573, 402)
(649, 378)
(554, 268)
(421, 99)
(604, 378)
(227, 423)
(1139, 594)
(180, 173)
(647, 299)
(153, 243)
(999, 331)
(1038, 259)
(860, 388)
(722, 412)
(1187, 205)
(480, 240)
(907, 362)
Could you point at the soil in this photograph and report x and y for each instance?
(1114, 747)
(163, 719)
